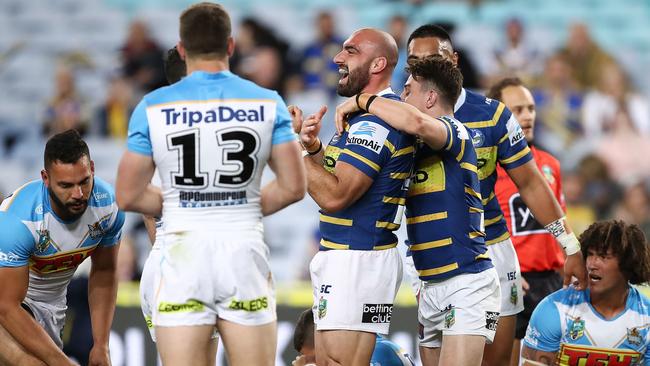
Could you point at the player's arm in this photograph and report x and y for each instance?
(399, 115)
(533, 357)
(539, 198)
(289, 185)
(150, 225)
(102, 291)
(17, 245)
(133, 191)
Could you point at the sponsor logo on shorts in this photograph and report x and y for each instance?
(514, 294)
(377, 313)
(325, 289)
(322, 307)
(450, 318)
(191, 306)
(148, 321)
(249, 305)
(491, 320)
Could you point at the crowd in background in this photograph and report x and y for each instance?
(590, 113)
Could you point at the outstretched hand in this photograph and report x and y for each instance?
(311, 127)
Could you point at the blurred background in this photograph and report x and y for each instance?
(86, 63)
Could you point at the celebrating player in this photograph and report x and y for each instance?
(210, 135)
(498, 138)
(458, 303)
(359, 182)
(49, 227)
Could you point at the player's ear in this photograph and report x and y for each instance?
(45, 177)
(378, 65)
(432, 98)
(181, 50)
(454, 59)
(92, 167)
(230, 50)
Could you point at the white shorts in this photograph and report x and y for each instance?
(355, 289)
(504, 258)
(202, 277)
(50, 316)
(466, 304)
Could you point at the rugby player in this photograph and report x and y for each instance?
(498, 138)
(49, 227)
(359, 181)
(210, 135)
(458, 302)
(539, 256)
(386, 353)
(606, 323)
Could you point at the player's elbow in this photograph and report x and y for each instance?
(332, 206)
(124, 201)
(418, 127)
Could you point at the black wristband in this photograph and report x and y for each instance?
(369, 102)
(320, 147)
(357, 100)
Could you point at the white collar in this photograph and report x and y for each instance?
(461, 100)
(388, 90)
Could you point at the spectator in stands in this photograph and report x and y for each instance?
(558, 104)
(580, 214)
(318, 69)
(635, 206)
(516, 56)
(397, 27)
(142, 59)
(601, 191)
(261, 56)
(539, 256)
(586, 58)
(66, 109)
(113, 115)
(613, 107)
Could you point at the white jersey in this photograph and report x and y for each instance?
(32, 234)
(210, 136)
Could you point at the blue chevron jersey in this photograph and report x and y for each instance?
(385, 155)
(566, 323)
(32, 234)
(443, 209)
(497, 137)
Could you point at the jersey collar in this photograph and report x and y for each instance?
(386, 91)
(461, 100)
(203, 75)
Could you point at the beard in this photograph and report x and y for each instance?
(67, 212)
(357, 80)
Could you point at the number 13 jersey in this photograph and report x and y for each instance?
(210, 136)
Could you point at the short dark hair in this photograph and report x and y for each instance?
(440, 73)
(430, 30)
(204, 30)
(496, 89)
(175, 67)
(303, 335)
(627, 243)
(65, 147)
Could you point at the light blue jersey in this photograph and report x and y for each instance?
(388, 353)
(33, 235)
(566, 323)
(210, 136)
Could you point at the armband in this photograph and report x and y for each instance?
(568, 241)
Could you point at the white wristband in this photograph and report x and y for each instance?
(570, 243)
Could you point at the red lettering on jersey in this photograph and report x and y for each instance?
(575, 355)
(60, 262)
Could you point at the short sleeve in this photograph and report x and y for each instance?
(16, 241)
(114, 234)
(282, 131)
(138, 140)
(368, 146)
(544, 329)
(513, 150)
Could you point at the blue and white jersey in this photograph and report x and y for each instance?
(33, 235)
(388, 353)
(566, 323)
(210, 136)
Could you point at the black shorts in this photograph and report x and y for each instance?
(541, 285)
